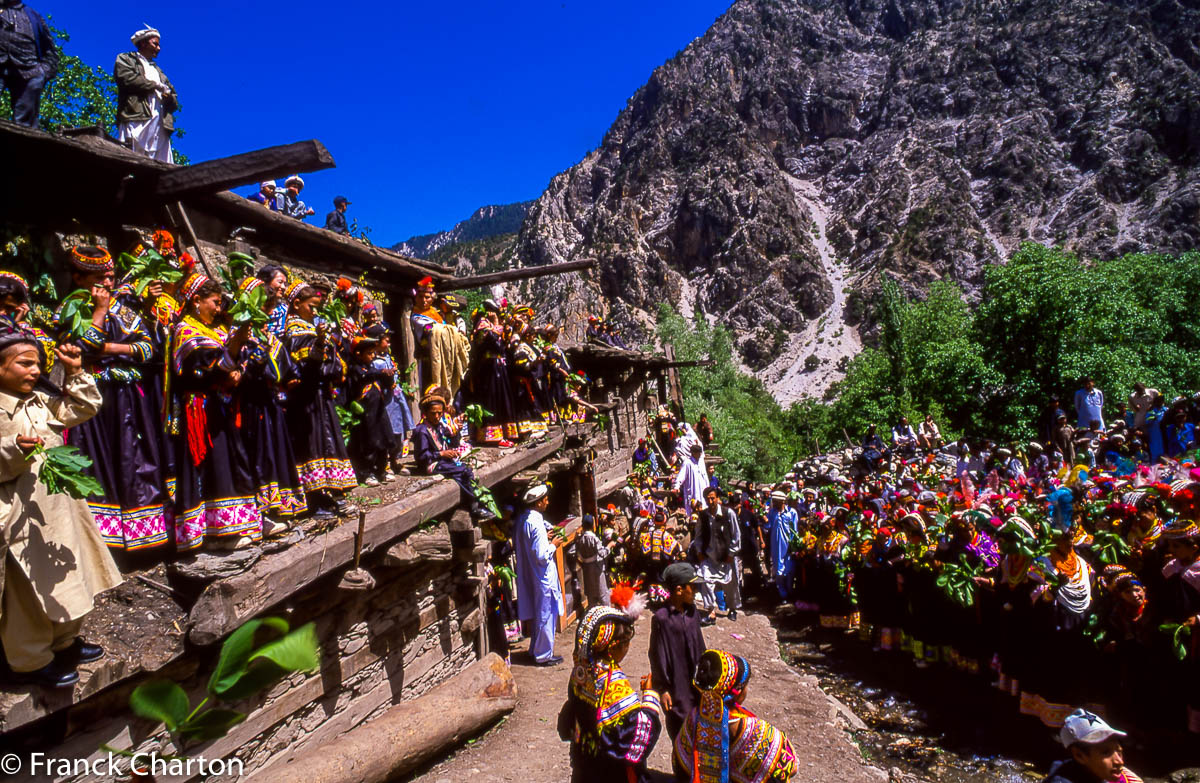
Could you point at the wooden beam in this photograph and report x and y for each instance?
(226, 604)
(521, 273)
(212, 176)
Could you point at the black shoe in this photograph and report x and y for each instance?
(49, 676)
(79, 652)
(733, 615)
(707, 621)
(323, 514)
(552, 661)
(483, 514)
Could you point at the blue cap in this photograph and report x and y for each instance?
(340, 200)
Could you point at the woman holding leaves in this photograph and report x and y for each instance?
(1181, 611)
(369, 387)
(54, 560)
(14, 304)
(266, 374)
(488, 384)
(322, 461)
(215, 491)
(134, 511)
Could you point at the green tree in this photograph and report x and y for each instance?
(80, 95)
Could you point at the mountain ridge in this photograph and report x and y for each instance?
(484, 223)
(774, 170)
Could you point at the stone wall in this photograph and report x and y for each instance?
(417, 628)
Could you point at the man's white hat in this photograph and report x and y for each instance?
(1086, 727)
(778, 495)
(294, 178)
(534, 494)
(143, 34)
(268, 183)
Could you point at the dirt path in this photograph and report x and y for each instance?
(526, 747)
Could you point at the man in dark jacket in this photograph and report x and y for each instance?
(335, 221)
(146, 101)
(676, 644)
(720, 541)
(28, 58)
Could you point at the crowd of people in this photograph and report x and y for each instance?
(227, 409)
(1072, 587)
(1004, 560)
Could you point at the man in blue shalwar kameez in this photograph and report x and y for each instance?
(782, 520)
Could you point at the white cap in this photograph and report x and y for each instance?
(294, 178)
(141, 35)
(777, 495)
(1086, 727)
(534, 494)
(270, 183)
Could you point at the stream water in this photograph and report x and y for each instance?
(937, 724)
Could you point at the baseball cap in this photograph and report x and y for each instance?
(678, 574)
(1086, 727)
(340, 200)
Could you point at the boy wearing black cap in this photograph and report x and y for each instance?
(676, 644)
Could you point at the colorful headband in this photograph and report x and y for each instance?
(597, 630)
(191, 286)
(88, 258)
(293, 290)
(248, 284)
(16, 279)
(425, 283)
(735, 673)
(1181, 528)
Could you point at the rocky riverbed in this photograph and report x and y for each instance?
(941, 726)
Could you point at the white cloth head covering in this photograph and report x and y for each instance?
(534, 494)
(143, 34)
(294, 178)
(269, 183)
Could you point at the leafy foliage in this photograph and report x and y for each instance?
(148, 268)
(248, 308)
(957, 580)
(239, 267)
(244, 668)
(349, 418)
(65, 470)
(75, 315)
(748, 420)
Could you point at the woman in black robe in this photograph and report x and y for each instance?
(488, 383)
(134, 512)
(369, 386)
(267, 369)
(322, 460)
(215, 488)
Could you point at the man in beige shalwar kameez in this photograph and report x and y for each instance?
(53, 560)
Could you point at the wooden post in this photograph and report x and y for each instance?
(408, 351)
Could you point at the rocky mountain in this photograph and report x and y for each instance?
(769, 174)
(484, 223)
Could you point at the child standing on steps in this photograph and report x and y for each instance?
(53, 561)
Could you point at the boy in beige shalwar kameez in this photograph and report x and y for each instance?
(52, 558)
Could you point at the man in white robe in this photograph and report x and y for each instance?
(692, 479)
(539, 593)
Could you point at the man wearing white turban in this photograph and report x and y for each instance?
(146, 101)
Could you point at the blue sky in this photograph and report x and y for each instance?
(430, 109)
